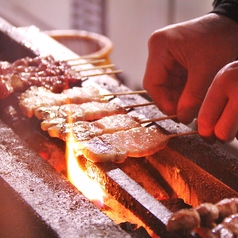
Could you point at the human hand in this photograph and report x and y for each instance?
(183, 60)
(218, 116)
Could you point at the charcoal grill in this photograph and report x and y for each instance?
(38, 200)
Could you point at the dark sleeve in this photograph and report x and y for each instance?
(228, 8)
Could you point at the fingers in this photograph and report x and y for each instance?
(164, 77)
(199, 80)
(227, 125)
(218, 115)
(154, 83)
(210, 113)
(219, 121)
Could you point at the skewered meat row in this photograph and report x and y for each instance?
(62, 113)
(20, 83)
(76, 112)
(219, 218)
(36, 97)
(42, 71)
(39, 71)
(111, 138)
(84, 130)
(117, 146)
(45, 64)
(77, 104)
(55, 83)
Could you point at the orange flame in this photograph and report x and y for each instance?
(89, 188)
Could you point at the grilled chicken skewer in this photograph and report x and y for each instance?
(55, 82)
(70, 113)
(43, 71)
(89, 111)
(220, 219)
(116, 147)
(85, 130)
(40, 64)
(36, 97)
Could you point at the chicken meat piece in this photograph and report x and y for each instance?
(208, 213)
(36, 97)
(70, 113)
(184, 221)
(84, 130)
(116, 147)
